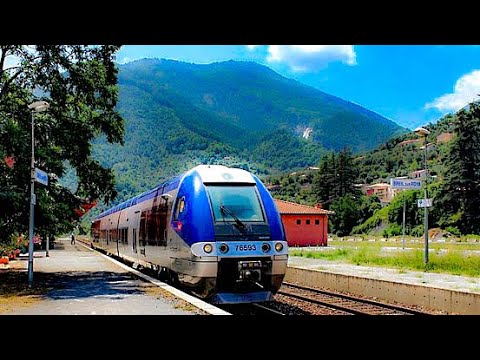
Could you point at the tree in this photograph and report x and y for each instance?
(346, 214)
(80, 84)
(459, 196)
(323, 184)
(368, 206)
(335, 178)
(347, 174)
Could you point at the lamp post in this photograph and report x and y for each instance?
(36, 106)
(420, 131)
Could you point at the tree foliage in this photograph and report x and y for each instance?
(335, 178)
(459, 195)
(413, 214)
(80, 84)
(346, 214)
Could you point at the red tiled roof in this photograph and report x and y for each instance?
(287, 207)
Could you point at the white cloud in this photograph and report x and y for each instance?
(125, 60)
(465, 91)
(311, 57)
(252, 47)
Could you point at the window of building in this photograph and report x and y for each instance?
(299, 221)
(307, 221)
(317, 222)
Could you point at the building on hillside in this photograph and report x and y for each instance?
(382, 190)
(364, 188)
(418, 174)
(304, 225)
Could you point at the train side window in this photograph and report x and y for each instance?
(299, 221)
(179, 207)
(307, 221)
(317, 222)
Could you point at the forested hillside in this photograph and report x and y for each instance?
(242, 114)
(337, 182)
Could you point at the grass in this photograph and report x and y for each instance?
(449, 261)
(408, 244)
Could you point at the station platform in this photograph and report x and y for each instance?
(437, 280)
(450, 294)
(75, 280)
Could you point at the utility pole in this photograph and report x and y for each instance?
(403, 227)
(36, 106)
(424, 133)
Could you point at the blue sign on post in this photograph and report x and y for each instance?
(41, 176)
(406, 184)
(424, 202)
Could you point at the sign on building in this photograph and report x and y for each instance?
(41, 176)
(406, 184)
(424, 202)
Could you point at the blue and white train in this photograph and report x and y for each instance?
(214, 229)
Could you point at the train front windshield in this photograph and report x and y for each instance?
(241, 202)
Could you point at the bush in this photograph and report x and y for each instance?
(395, 229)
(470, 237)
(453, 230)
(392, 230)
(417, 231)
(12, 244)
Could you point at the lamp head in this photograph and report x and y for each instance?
(38, 106)
(420, 131)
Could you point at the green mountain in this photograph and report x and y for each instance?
(236, 113)
(252, 101)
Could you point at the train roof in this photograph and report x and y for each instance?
(167, 185)
(223, 174)
(208, 174)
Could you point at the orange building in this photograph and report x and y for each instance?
(304, 225)
(382, 190)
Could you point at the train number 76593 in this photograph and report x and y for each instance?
(249, 247)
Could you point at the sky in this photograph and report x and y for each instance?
(412, 85)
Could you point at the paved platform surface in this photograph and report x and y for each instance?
(443, 281)
(81, 281)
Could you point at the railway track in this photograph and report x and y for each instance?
(342, 303)
(251, 309)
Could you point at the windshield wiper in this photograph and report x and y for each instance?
(238, 223)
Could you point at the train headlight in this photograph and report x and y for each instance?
(265, 247)
(278, 247)
(223, 248)
(207, 248)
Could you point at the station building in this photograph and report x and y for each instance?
(304, 225)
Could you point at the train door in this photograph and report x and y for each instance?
(117, 234)
(142, 234)
(134, 240)
(163, 213)
(134, 231)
